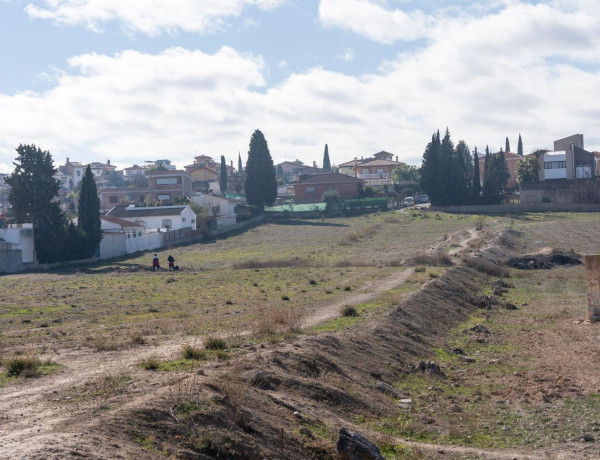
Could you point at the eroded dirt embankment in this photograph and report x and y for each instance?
(308, 388)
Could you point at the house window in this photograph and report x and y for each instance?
(330, 188)
(114, 199)
(183, 219)
(78, 173)
(310, 189)
(142, 198)
(555, 164)
(165, 197)
(166, 181)
(193, 221)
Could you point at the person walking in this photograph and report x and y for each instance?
(155, 263)
(171, 261)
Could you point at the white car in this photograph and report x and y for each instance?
(409, 201)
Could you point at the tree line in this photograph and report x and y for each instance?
(450, 174)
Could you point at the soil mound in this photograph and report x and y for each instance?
(545, 261)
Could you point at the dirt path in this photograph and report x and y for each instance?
(53, 416)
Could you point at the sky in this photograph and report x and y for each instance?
(140, 80)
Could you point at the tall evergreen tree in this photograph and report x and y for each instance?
(520, 146)
(448, 172)
(326, 162)
(487, 177)
(32, 197)
(507, 145)
(240, 167)
(223, 176)
(260, 185)
(465, 173)
(476, 189)
(89, 215)
(430, 169)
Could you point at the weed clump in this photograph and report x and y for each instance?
(349, 311)
(195, 353)
(27, 366)
(151, 363)
(438, 259)
(215, 343)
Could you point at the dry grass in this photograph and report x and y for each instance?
(365, 232)
(437, 259)
(113, 381)
(272, 263)
(26, 366)
(273, 319)
(485, 266)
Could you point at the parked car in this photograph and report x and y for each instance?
(423, 199)
(409, 201)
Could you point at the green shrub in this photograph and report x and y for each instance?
(215, 343)
(28, 366)
(151, 363)
(349, 311)
(191, 352)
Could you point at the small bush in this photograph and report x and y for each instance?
(347, 288)
(28, 366)
(215, 343)
(312, 282)
(420, 269)
(191, 352)
(438, 259)
(151, 363)
(349, 311)
(479, 222)
(285, 297)
(138, 339)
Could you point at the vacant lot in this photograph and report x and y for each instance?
(121, 352)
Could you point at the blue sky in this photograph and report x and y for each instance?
(138, 80)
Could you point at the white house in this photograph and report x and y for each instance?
(159, 217)
(16, 247)
(221, 208)
(111, 224)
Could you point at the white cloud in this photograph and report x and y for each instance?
(151, 17)
(374, 21)
(531, 69)
(347, 55)
(282, 64)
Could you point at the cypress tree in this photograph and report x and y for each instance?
(430, 169)
(464, 178)
(476, 189)
(260, 185)
(88, 216)
(507, 145)
(240, 168)
(223, 176)
(32, 197)
(520, 146)
(326, 162)
(487, 177)
(448, 171)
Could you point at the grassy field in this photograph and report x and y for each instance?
(222, 285)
